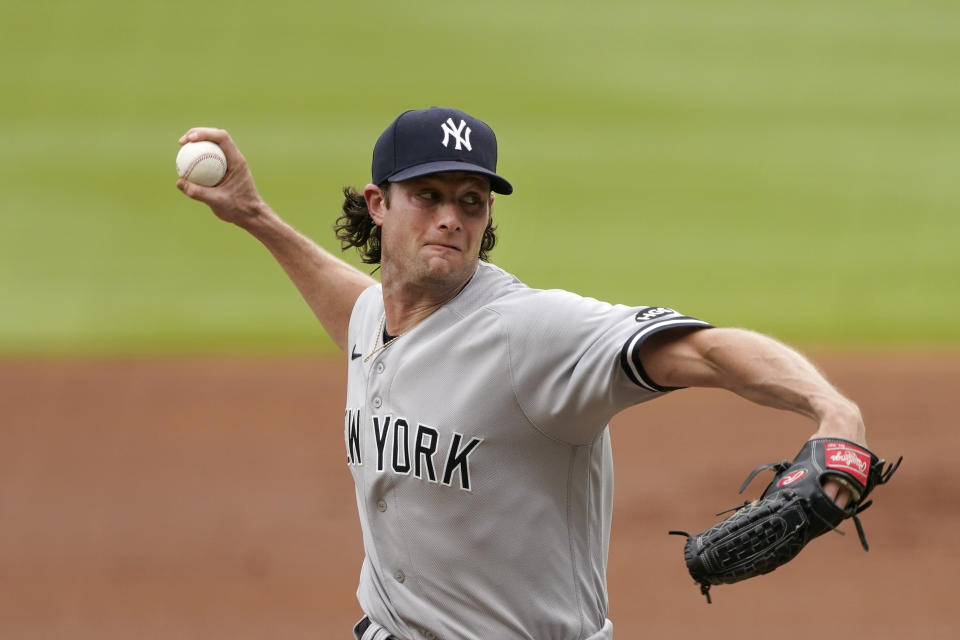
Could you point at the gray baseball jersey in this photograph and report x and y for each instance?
(480, 453)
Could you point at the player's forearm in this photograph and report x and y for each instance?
(328, 284)
(770, 373)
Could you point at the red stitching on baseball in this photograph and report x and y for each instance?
(200, 158)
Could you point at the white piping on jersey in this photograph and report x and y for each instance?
(641, 335)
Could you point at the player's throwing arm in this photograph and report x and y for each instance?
(329, 285)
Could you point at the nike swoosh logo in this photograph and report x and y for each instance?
(354, 355)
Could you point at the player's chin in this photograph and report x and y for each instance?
(450, 265)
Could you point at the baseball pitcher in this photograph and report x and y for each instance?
(477, 407)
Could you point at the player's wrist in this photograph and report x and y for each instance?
(841, 418)
(257, 217)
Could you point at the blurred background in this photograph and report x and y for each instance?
(787, 167)
(166, 409)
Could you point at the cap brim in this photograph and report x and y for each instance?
(497, 184)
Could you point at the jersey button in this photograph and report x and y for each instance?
(381, 505)
(399, 577)
(380, 367)
(377, 402)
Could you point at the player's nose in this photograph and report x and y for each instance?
(448, 216)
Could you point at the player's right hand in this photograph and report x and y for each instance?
(235, 199)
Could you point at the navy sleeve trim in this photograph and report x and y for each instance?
(630, 353)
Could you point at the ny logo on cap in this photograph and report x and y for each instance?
(450, 129)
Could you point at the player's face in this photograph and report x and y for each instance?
(432, 230)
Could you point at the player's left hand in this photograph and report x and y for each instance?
(843, 420)
(794, 509)
(840, 495)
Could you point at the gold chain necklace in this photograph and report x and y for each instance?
(379, 338)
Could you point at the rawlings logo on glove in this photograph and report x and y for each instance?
(845, 457)
(793, 510)
(790, 478)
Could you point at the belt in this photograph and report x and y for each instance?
(360, 628)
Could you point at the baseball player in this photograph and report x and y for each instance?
(477, 407)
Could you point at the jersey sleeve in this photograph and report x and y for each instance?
(575, 361)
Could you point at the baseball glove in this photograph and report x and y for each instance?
(793, 510)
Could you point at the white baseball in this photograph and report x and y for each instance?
(202, 162)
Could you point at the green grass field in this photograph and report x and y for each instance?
(788, 167)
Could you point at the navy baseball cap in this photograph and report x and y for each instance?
(425, 141)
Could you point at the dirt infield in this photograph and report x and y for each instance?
(209, 499)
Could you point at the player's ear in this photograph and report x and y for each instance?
(377, 202)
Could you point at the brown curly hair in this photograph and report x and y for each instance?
(355, 227)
